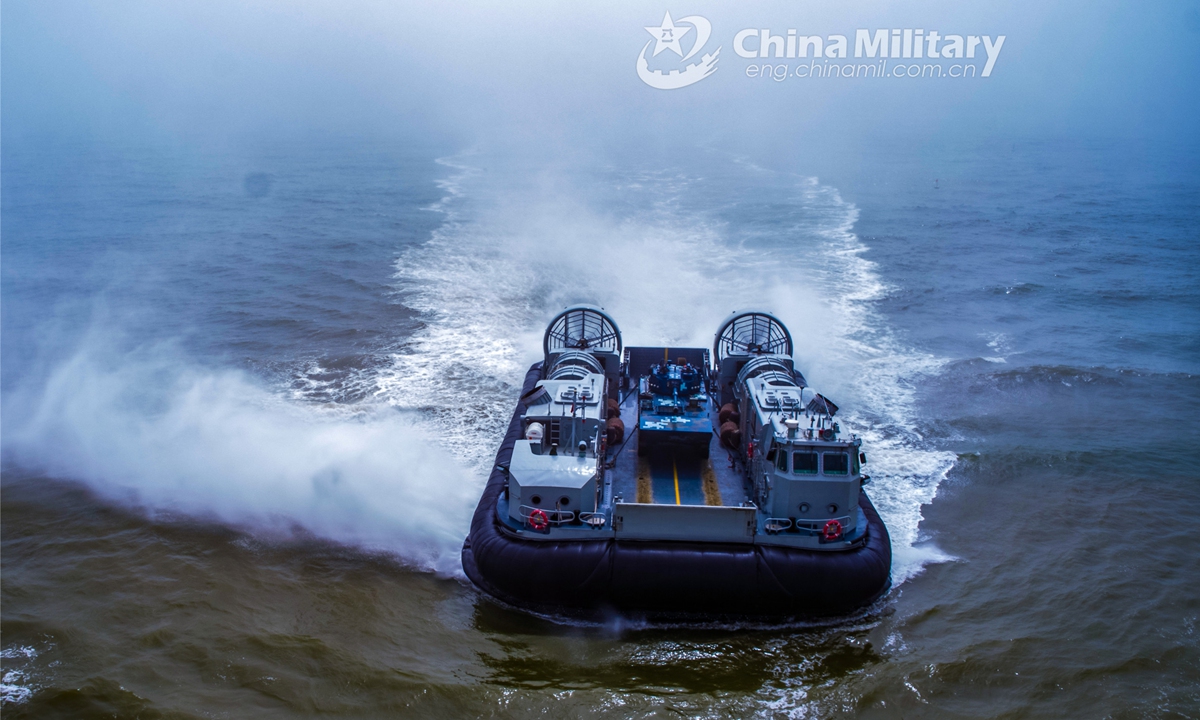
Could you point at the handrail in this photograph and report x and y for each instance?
(813, 527)
(562, 517)
(774, 525)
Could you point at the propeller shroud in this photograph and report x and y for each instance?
(582, 327)
(752, 332)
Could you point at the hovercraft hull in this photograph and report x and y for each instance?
(666, 579)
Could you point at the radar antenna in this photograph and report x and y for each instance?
(582, 327)
(752, 333)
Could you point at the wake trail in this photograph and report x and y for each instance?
(668, 268)
(667, 253)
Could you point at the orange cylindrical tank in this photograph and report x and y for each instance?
(615, 431)
(729, 413)
(614, 408)
(731, 435)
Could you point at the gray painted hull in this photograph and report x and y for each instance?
(667, 579)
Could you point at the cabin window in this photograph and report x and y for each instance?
(855, 468)
(804, 463)
(836, 463)
(781, 461)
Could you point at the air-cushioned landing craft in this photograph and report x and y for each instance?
(675, 483)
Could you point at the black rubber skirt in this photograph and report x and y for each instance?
(669, 579)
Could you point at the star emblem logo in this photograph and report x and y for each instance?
(668, 35)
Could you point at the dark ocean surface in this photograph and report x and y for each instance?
(250, 400)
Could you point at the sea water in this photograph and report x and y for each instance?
(251, 399)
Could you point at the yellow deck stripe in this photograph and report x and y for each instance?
(676, 471)
(645, 493)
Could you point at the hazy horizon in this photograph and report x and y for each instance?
(553, 78)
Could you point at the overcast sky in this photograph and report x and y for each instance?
(563, 74)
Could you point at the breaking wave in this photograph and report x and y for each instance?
(146, 429)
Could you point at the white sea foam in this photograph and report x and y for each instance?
(152, 427)
(998, 343)
(147, 428)
(509, 257)
(16, 683)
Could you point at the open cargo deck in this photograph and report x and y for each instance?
(674, 477)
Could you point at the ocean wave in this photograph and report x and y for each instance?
(150, 429)
(1024, 288)
(983, 370)
(17, 683)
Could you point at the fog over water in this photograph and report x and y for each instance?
(272, 276)
(557, 75)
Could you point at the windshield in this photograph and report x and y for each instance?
(836, 463)
(804, 463)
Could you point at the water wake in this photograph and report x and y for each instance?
(666, 253)
(148, 429)
(668, 267)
